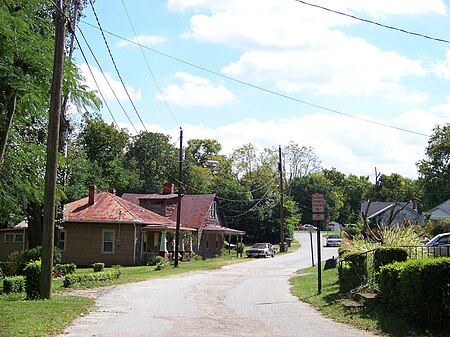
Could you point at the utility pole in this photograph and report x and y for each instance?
(52, 155)
(180, 176)
(280, 169)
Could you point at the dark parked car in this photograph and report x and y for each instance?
(261, 250)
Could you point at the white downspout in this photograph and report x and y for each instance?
(134, 242)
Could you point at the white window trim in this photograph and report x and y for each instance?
(113, 241)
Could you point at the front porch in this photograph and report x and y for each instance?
(157, 240)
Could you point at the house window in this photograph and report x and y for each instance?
(217, 241)
(212, 210)
(108, 241)
(62, 240)
(156, 241)
(14, 238)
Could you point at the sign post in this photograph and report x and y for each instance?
(318, 216)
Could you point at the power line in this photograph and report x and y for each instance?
(261, 88)
(375, 23)
(148, 65)
(106, 79)
(115, 65)
(96, 84)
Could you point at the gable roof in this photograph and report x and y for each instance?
(378, 207)
(194, 209)
(441, 211)
(110, 208)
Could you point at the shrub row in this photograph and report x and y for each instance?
(71, 280)
(418, 289)
(14, 284)
(18, 260)
(64, 269)
(352, 271)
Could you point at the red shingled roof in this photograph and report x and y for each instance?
(109, 207)
(194, 209)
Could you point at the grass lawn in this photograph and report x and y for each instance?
(375, 319)
(39, 318)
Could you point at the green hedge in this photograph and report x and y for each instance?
(64, 269)
(352, 271)
(387, 255)
(19, 259)
(98, 266)
(33, 279)
(71, 280)
(14, 284)
(5, 268)
(418, 289)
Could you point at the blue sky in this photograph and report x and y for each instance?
(259, 71)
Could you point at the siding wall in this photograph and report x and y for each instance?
(83, 244)
(7, 248)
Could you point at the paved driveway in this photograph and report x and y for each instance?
(246, 299)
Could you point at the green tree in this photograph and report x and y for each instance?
(434, 170)
(154, 159)
(303, 188)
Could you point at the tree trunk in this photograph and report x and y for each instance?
(35, 214)
(7, 115)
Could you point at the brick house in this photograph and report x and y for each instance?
(198, 213)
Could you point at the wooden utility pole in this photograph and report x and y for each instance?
(52, 154)
(180, 177)
(280, 169)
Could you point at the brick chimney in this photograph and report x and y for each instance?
(92, 193)
(168, 188)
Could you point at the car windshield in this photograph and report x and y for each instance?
(334, 237)
(259, 245)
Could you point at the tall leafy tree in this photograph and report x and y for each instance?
(154, 159)
(434, 170)
(300, 161)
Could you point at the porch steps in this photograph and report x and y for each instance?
(360, 300)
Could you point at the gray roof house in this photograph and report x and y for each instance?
(440, 212)
(380, 212)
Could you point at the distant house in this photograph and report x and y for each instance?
(382, 212)
(198, 212)
(440, 212)
(13, 239)
(106, 228)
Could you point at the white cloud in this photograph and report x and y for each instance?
(144, 40)
(442, 68)
(196, 91)
(298, 47)
(107, 84)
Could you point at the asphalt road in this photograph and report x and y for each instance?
(246, 299)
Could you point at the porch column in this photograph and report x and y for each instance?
(181, 247)
(163, 245)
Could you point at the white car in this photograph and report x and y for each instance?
(439, 245)
(261, 250)
(333, 241)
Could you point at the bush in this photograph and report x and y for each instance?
(151, 259)
(98, 266)
(352, 271)
(19, 259)
(64, 269)
(419, 289)
(88, 279)
(33, 279)
(161, 264)
(14, 284)
(387, 255)
(439, 227)
(5, 268)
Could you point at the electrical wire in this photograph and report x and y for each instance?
(254, 86)
(106, 79)
(115, 65)
(148, 66)
(374, 22)
(95, 81)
